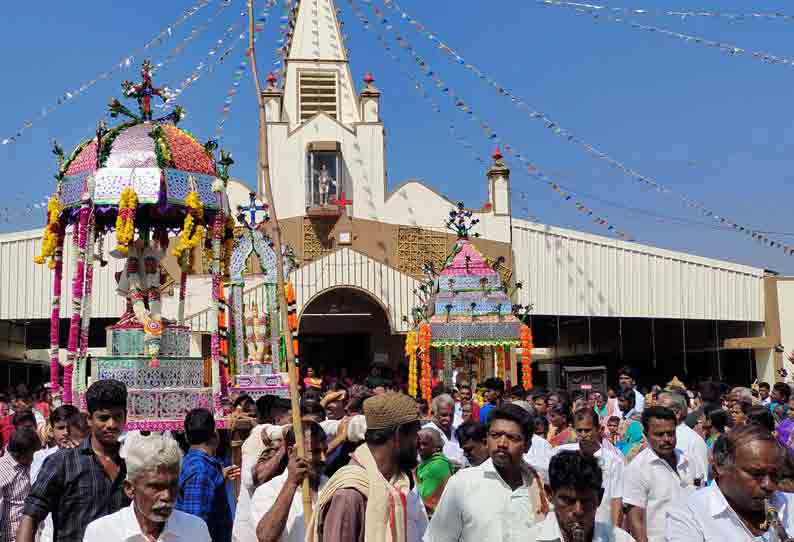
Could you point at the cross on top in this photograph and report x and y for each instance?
(252, 208)
(144, 91)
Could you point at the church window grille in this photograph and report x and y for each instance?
(416, 247)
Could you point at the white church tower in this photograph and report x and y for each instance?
(325, 139)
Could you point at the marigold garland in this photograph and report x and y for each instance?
(424, 352)
(49, 241)
(192, 233)
(500, 362)
(410, 352)
(125, 221)
(526, 357)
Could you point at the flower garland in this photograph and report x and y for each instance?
(192, 233)
(410, 352)
(125, 221)
(424, 352)
(49, 241)
(526, 357)
(55, 314)
(500, 362)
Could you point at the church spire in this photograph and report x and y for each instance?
(316, 32)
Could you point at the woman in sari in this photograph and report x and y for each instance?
(561, 420)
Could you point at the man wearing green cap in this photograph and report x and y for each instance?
(366, 501)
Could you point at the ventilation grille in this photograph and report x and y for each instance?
(318, 94)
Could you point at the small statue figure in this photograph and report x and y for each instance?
(325, 182)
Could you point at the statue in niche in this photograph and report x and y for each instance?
(325, 182)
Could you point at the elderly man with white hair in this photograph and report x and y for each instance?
(152, 483)
(443, 408)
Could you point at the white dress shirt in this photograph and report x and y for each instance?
(417, 517)
(612, 466)
(265, 497)
(243, 529)
(46, 530)
(539, 455)
(694, 447)
(123, 526)
(650, 483)
(639, 405)
(479, 506)
(707, 516)
(452, 449)
(548, 530)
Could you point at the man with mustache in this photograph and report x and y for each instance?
(658, 477)
(747, 464)
(85, 483)
(500, 499)
(575, 479)
(368, 500)
(277, 505)
(589, 443)
(152, 484)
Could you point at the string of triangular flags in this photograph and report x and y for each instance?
(679, 13)
(598, 14)
(206, 63)
(528, 167)
(285, 28)
(239, 72)
(187, 40)
(126, 62)
(569, 136)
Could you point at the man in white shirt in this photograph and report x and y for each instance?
(277, 505)
(687, 440)
(747, 463)
(152, 483)
(443, 411)
(659, 476)
(612, 463)
(501, 499)
(576, 486)
(539, 456)
(763, 391)
(626, 382)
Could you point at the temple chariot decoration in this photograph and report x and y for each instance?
(258, 360)
(163, 193)
(466, 314)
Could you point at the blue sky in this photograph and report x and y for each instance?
(714, 127)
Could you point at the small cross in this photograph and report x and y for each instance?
(252, 208)
(341, 200)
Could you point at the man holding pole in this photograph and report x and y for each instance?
(366, 501)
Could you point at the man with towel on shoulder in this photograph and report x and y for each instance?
(365, 501)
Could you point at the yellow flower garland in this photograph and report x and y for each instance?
(191, 234)
(410, 351)
(49, 240)
(125, 221)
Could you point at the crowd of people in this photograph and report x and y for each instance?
(495, 463)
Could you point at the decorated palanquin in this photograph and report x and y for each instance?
(467, 316)
(144, 179)
(255, 335)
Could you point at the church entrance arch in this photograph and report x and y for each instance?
(346, 327)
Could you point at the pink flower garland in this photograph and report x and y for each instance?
(89, 283)
(77, 301)
(55, 315)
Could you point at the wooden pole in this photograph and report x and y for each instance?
(264, 177)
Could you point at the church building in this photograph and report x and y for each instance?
(360, 240)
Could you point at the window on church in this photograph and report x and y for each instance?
(323, 174)
(318, 94)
